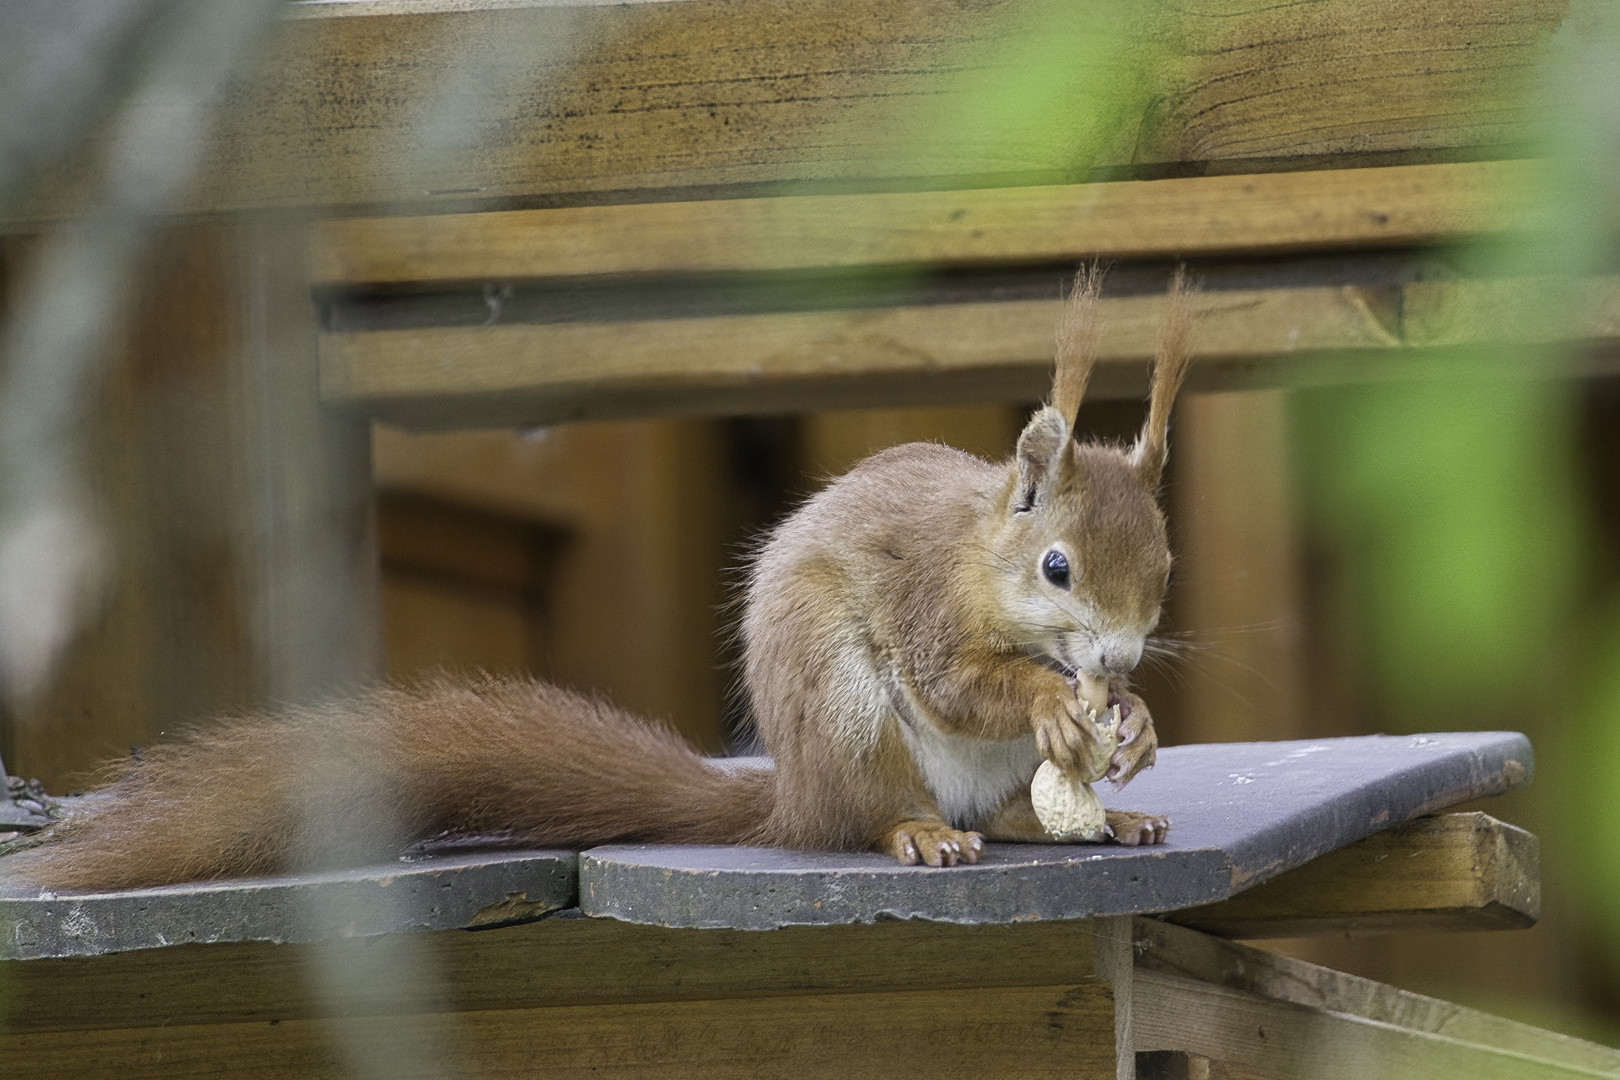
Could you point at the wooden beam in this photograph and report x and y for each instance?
(1057, 1032)
(798, 361)
(1287, 1041)
(1225, 215)
(923, 354)
(445, 106)
(1345, 1006)
(1450, 872)
(554, 963)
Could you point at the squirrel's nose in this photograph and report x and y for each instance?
(1122, 658)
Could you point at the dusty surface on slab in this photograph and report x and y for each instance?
(1241, 814)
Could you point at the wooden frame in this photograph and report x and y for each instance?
(595, 998)
(1341, 320)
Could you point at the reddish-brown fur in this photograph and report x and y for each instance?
(906, 661)
(351, 781)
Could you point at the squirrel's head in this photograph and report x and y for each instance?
(1086, 558)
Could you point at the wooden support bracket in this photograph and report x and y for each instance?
(1449, 872)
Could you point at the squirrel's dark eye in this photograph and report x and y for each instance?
(1056, 569)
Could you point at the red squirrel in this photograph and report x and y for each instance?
(917, 637)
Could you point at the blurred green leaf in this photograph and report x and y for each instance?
(1047, 92)
(1454, 507)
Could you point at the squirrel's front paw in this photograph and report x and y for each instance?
(934, 843)
(1068, 737)
(1138, 742)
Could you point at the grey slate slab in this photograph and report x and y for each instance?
(1241, 813)
(439, 893)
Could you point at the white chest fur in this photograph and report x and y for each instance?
(969, 778)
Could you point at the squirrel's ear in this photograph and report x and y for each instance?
(1077, 342)
(1043, 454)
(1169, 368)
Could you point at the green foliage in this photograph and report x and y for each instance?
(1592, 803)
(1457, 509)
(1454, 507)
(1455, 499)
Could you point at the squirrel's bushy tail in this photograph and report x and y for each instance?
(318, 787)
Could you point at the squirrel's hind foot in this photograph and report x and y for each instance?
(933, 843)
(1131, 829)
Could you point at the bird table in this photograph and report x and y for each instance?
(660, 960)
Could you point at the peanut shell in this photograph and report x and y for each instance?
(1067, 808)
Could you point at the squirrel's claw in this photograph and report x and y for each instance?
(933, 844)
(1138, 741)
(1067, 734)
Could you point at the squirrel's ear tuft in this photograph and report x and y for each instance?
(1077, 342)
(1169, 369)
(1043, 455)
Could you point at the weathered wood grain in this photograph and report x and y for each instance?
(1449, 872)
(1174, 952)
(1226, 215)
(445, 106)
(931, 354)
(1063, 1031)
(575, 997)
(553, 963)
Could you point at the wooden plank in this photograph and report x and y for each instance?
(1063, 1031)
(803, 361)
(446, 538)
(1189, 217)
(442, 105)
(1449, 872)
(1288, 1041)
(646, 506)
(924, 354)
(1511, 310)
(1239, 605)
(1164, 950)
(553, 963)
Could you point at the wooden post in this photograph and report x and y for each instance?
(236, 509)
(1238, 592)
